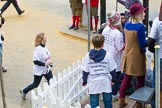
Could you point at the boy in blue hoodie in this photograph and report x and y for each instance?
(99, 73)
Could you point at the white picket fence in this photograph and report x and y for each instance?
(65, 90)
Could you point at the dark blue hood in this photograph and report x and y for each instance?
(97, 55)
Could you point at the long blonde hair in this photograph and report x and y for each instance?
(137, 18)
(38, 39)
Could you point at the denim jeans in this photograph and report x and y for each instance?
(116, 86)
(107, 99)
(37, 80)
(1, 48)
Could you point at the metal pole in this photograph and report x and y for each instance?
(116, 5)
(157, 79)
(89, 32)
(2, 87)
(102, 11)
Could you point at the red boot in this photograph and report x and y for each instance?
(73, 25)
(77, 22)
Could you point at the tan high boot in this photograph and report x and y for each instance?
(122, 103)
(137, 105)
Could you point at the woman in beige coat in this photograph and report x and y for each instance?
(134, 59)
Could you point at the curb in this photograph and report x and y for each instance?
(81, 33)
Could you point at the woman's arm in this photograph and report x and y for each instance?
(39, 63)
(142, 39)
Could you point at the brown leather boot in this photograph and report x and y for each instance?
(122, 103)
(137, 105)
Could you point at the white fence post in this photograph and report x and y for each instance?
(66, 104)
(60, 91)
(77, 105)
(34, 99)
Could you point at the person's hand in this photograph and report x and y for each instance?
(112, 83)
(48, 63)
(2, 20)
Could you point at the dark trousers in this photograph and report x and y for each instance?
(37, 80)
(116, 86)
(7, 4)
(126, 83)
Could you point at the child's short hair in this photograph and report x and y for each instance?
(98, 41)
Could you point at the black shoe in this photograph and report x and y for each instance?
(71, 27)
(4, 70)
(23, 95)
(21, 12)
(76, 28)
(91, 29)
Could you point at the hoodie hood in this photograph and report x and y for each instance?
(97, 55)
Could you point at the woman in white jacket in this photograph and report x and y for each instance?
(42, 62)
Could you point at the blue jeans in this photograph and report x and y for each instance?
(1, 48)
(107, 99)
(116, 86)
(37, 80)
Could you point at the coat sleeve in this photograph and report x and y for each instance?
(142, 39)
(154, 30)
(153, 36)
(151, 44)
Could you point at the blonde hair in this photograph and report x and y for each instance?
(137, 18)
(38, 39)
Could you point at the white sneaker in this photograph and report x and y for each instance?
(115, 97)
(23, 95)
